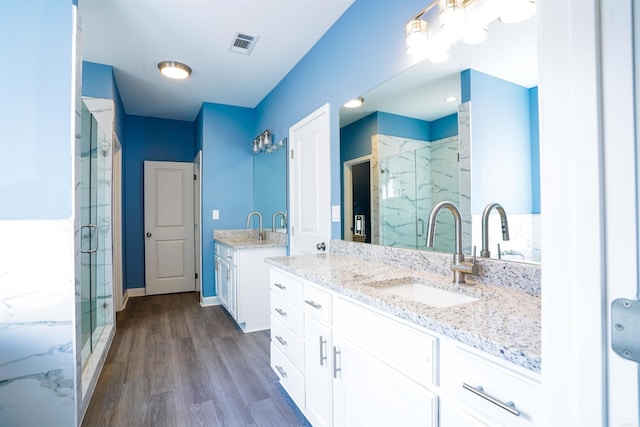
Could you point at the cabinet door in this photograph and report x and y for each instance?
(222, 280)
(233, 291)
(317, 373)
(367, 392)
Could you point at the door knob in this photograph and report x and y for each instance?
(148, 234)
(321, 246)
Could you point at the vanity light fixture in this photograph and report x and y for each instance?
(430, 35)
(174, 69)
(263, 143)
(355, 103)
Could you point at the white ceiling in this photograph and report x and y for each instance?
(509, 53)
(133, 36)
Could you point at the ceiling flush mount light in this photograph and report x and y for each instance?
(450, 99)
(174, 70)
(355, 103)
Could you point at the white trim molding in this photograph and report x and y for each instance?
(210, 301)
(133, 293)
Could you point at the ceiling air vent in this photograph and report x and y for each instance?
(243, 43)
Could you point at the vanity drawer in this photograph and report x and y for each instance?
(288, 343)
(290, 378)
(226, 253)
(290, 316)
(500, 383)
(408, 350)
(287, 287)
(317, 303)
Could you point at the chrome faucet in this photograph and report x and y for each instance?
(273, 220)
(459, 266)
(485, 253)
(261, 232)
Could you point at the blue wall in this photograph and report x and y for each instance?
(535, 150)
(444, 127)
(370, 32)
(270, 183)
(98, 81)
(225, 133)
(501, 143)
(146, 139)
(35, 106)
(406, 127)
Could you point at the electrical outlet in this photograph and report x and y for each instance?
(216, 214)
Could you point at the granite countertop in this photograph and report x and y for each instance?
(504, 322)
(248, 239)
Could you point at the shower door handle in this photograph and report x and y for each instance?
(90, 250)
(421, 222)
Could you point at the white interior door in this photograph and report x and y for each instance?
(168, 220)
(310, 210)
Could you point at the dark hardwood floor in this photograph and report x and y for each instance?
(174, 363)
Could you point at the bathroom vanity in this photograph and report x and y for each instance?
(354, 343)
(242, 277)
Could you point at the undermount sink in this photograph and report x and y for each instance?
(428, 295)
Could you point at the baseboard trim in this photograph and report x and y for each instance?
(133, 293)
(210, 301)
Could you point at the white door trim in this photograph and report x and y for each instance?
(197, 213)
(116, 217)
(347, 176)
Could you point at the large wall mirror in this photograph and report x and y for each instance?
(465, 131)
(270, 185)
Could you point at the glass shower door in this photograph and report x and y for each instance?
(95, 205)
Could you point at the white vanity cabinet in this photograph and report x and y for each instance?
(488, 392)
(360, 366)
(287, 334)
(243, 284)
(318, 367)
(384, 370)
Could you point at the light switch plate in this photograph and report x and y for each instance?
(335, 213)
(216, 214)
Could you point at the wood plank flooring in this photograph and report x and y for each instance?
(174, 363)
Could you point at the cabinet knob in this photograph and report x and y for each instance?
(148, 234)
(321, 246)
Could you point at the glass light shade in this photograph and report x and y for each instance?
(174, 70)
(514, 11)
(415, 33)
(355, 103)
(475, 33)
(438, 53)
(452, 19)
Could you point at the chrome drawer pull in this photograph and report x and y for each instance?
(322, 355)
(336, 352)
(509, 406)
(280, 285)
(282, 372)
(313, 304)
(281, 340)
(281, 312)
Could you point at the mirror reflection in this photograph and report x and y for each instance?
(270, 186)
(465, 131)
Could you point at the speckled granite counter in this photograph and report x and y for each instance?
(504, 321)
(248, 239)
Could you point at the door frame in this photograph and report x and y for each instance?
(116, 217)
(197, 214)
(149, 201)
(347, 177)
(586, 156)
